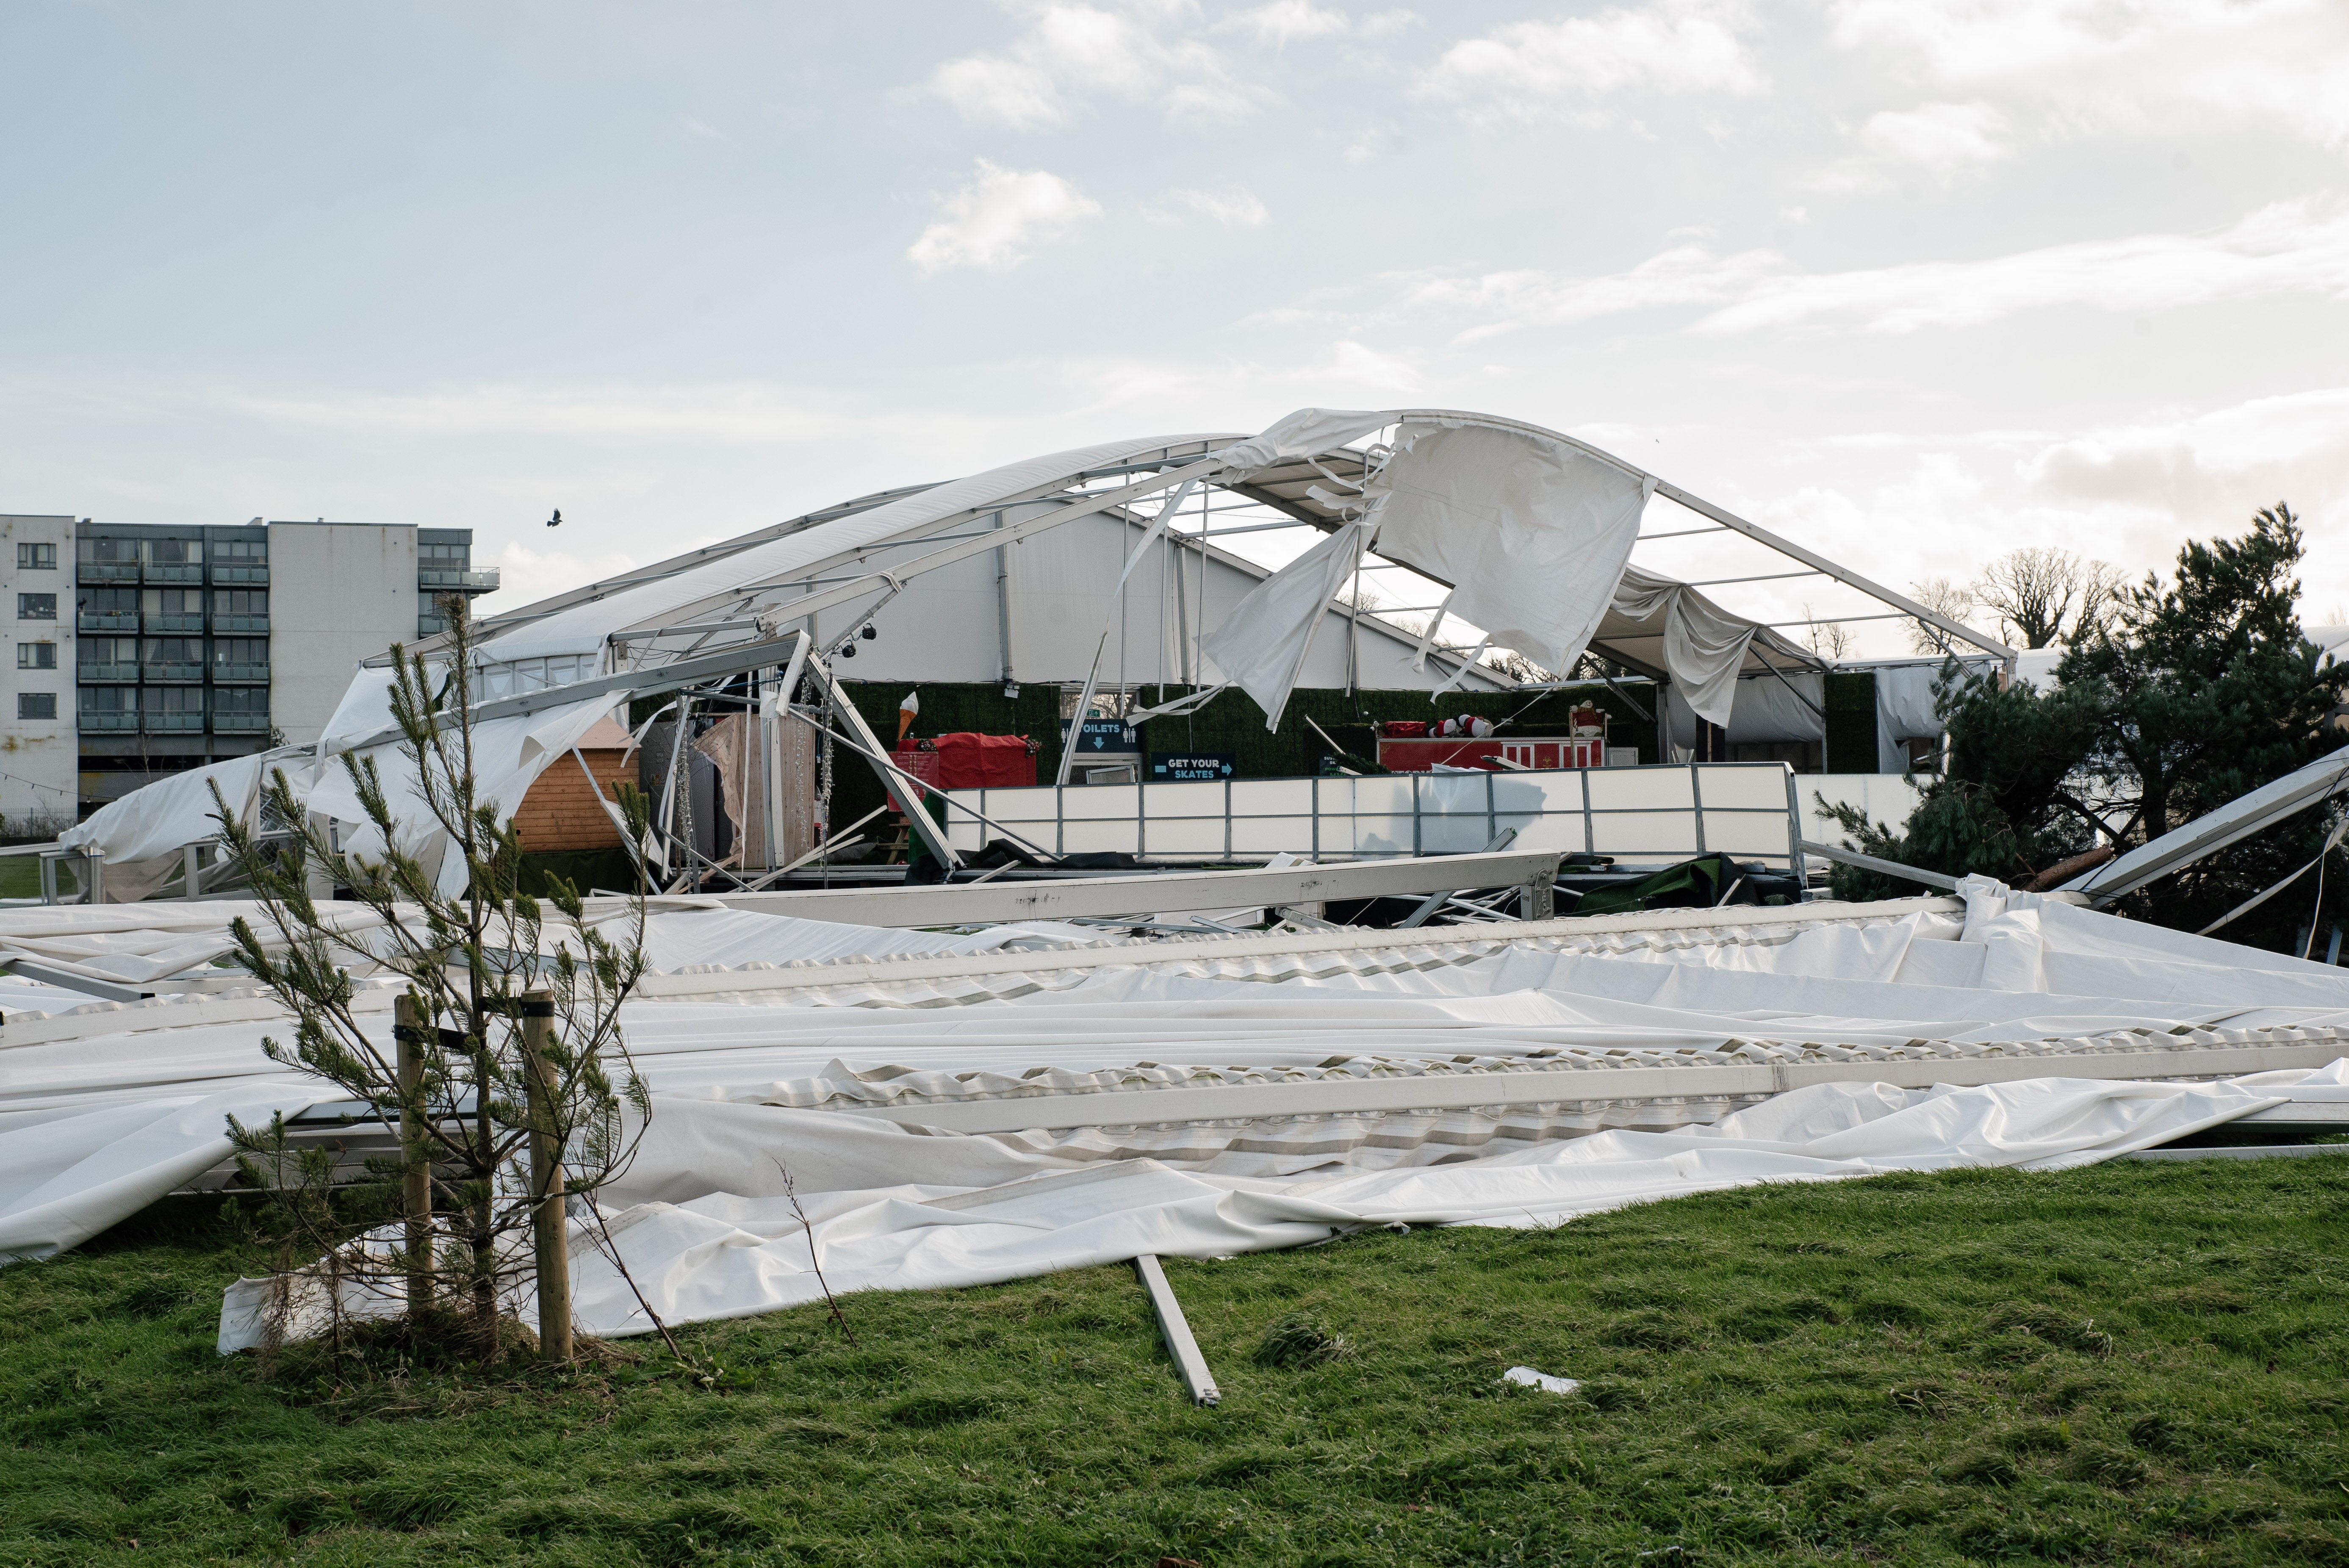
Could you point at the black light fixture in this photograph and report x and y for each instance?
(868, 634)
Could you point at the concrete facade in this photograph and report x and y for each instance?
(38, 754)
(339, 593)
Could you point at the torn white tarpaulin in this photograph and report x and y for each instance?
(141, 834)
(1307, 433)
(1261, 646)
(948, 1214)
(1703, 645)
(508, 756)
(1532, 533)
(1310, 1049)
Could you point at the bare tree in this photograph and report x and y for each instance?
(2044, 595)
(1828, 639)
(1945, 599)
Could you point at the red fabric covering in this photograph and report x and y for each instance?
(969, 761)
(1405, 729)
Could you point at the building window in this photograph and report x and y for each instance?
(37, 557)
(173, 602)
(240, 651)
(174, 551)
(445, 556)
(251, 702)
(103, 700)
(175, 651)
(37, 704)
(108, 551)
(240, 552)
(240, 601)
(36, 606)
(36, 655)
(109, 601)
(97, 651)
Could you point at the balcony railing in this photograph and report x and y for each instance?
(241, 674)
(175, 572)
(99, 674)
(90, 720)
(108, 620)
(106, 571)
(172, 723)
(174, 672)
(239, 723)
(448, 580)
(181, 622)
(240, 622)
(241, 572)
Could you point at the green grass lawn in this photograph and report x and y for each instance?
(2128, 1364)
(20, 876)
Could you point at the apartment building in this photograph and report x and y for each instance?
(145, 649)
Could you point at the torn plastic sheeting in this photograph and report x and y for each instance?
(1527, 1378)
(740, 1248)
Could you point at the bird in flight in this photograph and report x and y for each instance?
(556, 520)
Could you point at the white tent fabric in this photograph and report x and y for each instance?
(1518, 1033)
(1766, 708)
(1261, 644)
(939, 1213)
(509, 754)
(141, 834)
(1533, 533)
(1307, 433)
(1905, 708)
(1704, 645)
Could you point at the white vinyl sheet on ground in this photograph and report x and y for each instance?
(956, 1213)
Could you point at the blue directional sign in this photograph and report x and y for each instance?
(1102, 735)
(1190, 766)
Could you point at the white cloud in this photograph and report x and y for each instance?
(747, 414)
(1938, 135)
(997, 219)
(1287, 21)
(1685, 274)
(1070, 53)
(1567, 68)
(2281, 249)
(2126, 64)
(1234, 208)
(2213, 466)
(700, 129)
(2285, 249)
(526, 575)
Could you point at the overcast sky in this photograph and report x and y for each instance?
(1915, 283)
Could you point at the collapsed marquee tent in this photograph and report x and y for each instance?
(1026, 1102)
(1527, 533)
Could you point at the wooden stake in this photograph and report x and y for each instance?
(550, 1228)
(416, 1157)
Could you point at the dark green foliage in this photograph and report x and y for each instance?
(2185, 695)
(1788, 1375)
(1851, 723)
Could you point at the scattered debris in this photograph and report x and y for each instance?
(1527, 1378)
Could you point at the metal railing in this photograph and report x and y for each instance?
(108, 621)
(241, 572)
(176, 623)
(172, 723)
(241, 674)
(174, 672)
(429, 577)
(1636, 816)
(91, 673)
(239, 723)
(90, 719)
(240, 622)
